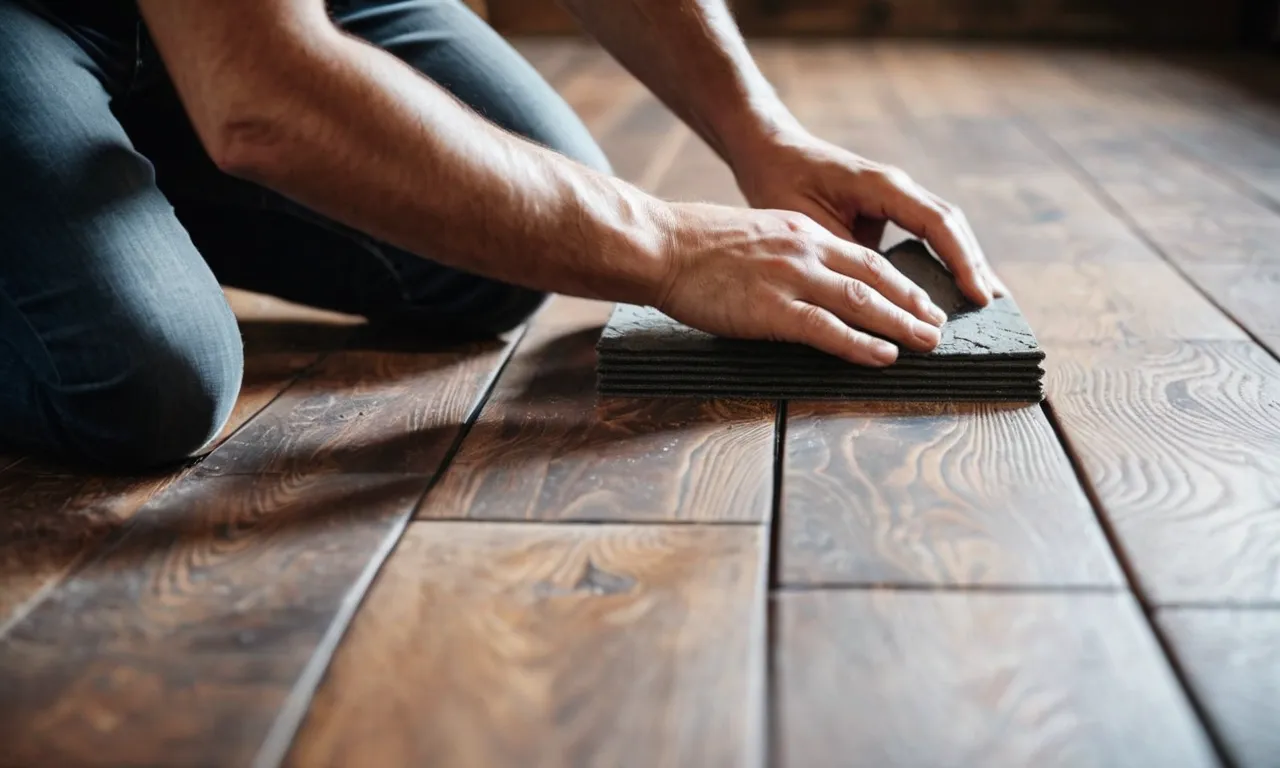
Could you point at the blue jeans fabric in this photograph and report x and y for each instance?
(116, 343)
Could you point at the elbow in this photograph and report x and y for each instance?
(250, 147)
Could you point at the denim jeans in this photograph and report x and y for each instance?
(116, 343)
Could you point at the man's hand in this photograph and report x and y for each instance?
(778, 275)
(853, 198)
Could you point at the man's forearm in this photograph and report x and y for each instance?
(427, 174)
(690, 53)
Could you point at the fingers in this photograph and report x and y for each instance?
(859, 305)
(812, 325)
(942, 226)
(873, 269)
(997, 286)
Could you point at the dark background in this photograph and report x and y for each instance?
(1216, 23)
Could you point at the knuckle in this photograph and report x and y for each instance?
(894, 176)
(796, 222)
(857, 294)
(790, 268)
(873, 265)
(809, 320)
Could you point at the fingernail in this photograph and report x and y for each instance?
(884, 352)
(927, 334)
(984, 288)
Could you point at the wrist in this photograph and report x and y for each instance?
(751, 138)
(636, 247)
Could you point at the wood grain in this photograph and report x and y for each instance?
(1181, 442)
(1232, 658)
(961, 679)
(50, 522)
(281, 340)
(366, 411)
(1215, 114)
(544, 447)
(1114, 301)
(1248, 292)
(183, 638)
(524, 645)
(922, 494)
(1051, 218)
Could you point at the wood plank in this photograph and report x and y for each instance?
(51, 522)
(281, 340)
(545, 448)
(555, 59)
(1225, 241)
(181, 641)
(1200, 105)
(1248, 292)
(518, 645)
(957, 679)
(922, 494)
(642, 144)
(1044, 218)
(696, 174)
(1181, 442)
(599, 89)
(1232, 658)
(365, 410)
(1113, 301)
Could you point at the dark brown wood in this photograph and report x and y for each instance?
(530, 17)
(1220, 110)
(923, 494)
(545, 448)
(1113, 301)
(281, 340)
(366, 411)
(517, 645)
(183, 640)
(1181, 442)
(907, 678)
(1232, 660)
(1095, 20)
(1223, 239)
(50, 522)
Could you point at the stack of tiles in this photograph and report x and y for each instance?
(986, 354)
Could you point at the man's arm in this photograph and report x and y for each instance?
(280, 96)
(691, 55)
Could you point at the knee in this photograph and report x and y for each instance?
(157, 401)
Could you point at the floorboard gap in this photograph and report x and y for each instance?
(1216, 740)
(280, 738)
(1032, 130)
(772, 727)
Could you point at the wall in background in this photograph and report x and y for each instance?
(1194, 21)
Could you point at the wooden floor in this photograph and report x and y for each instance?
(459, 557)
